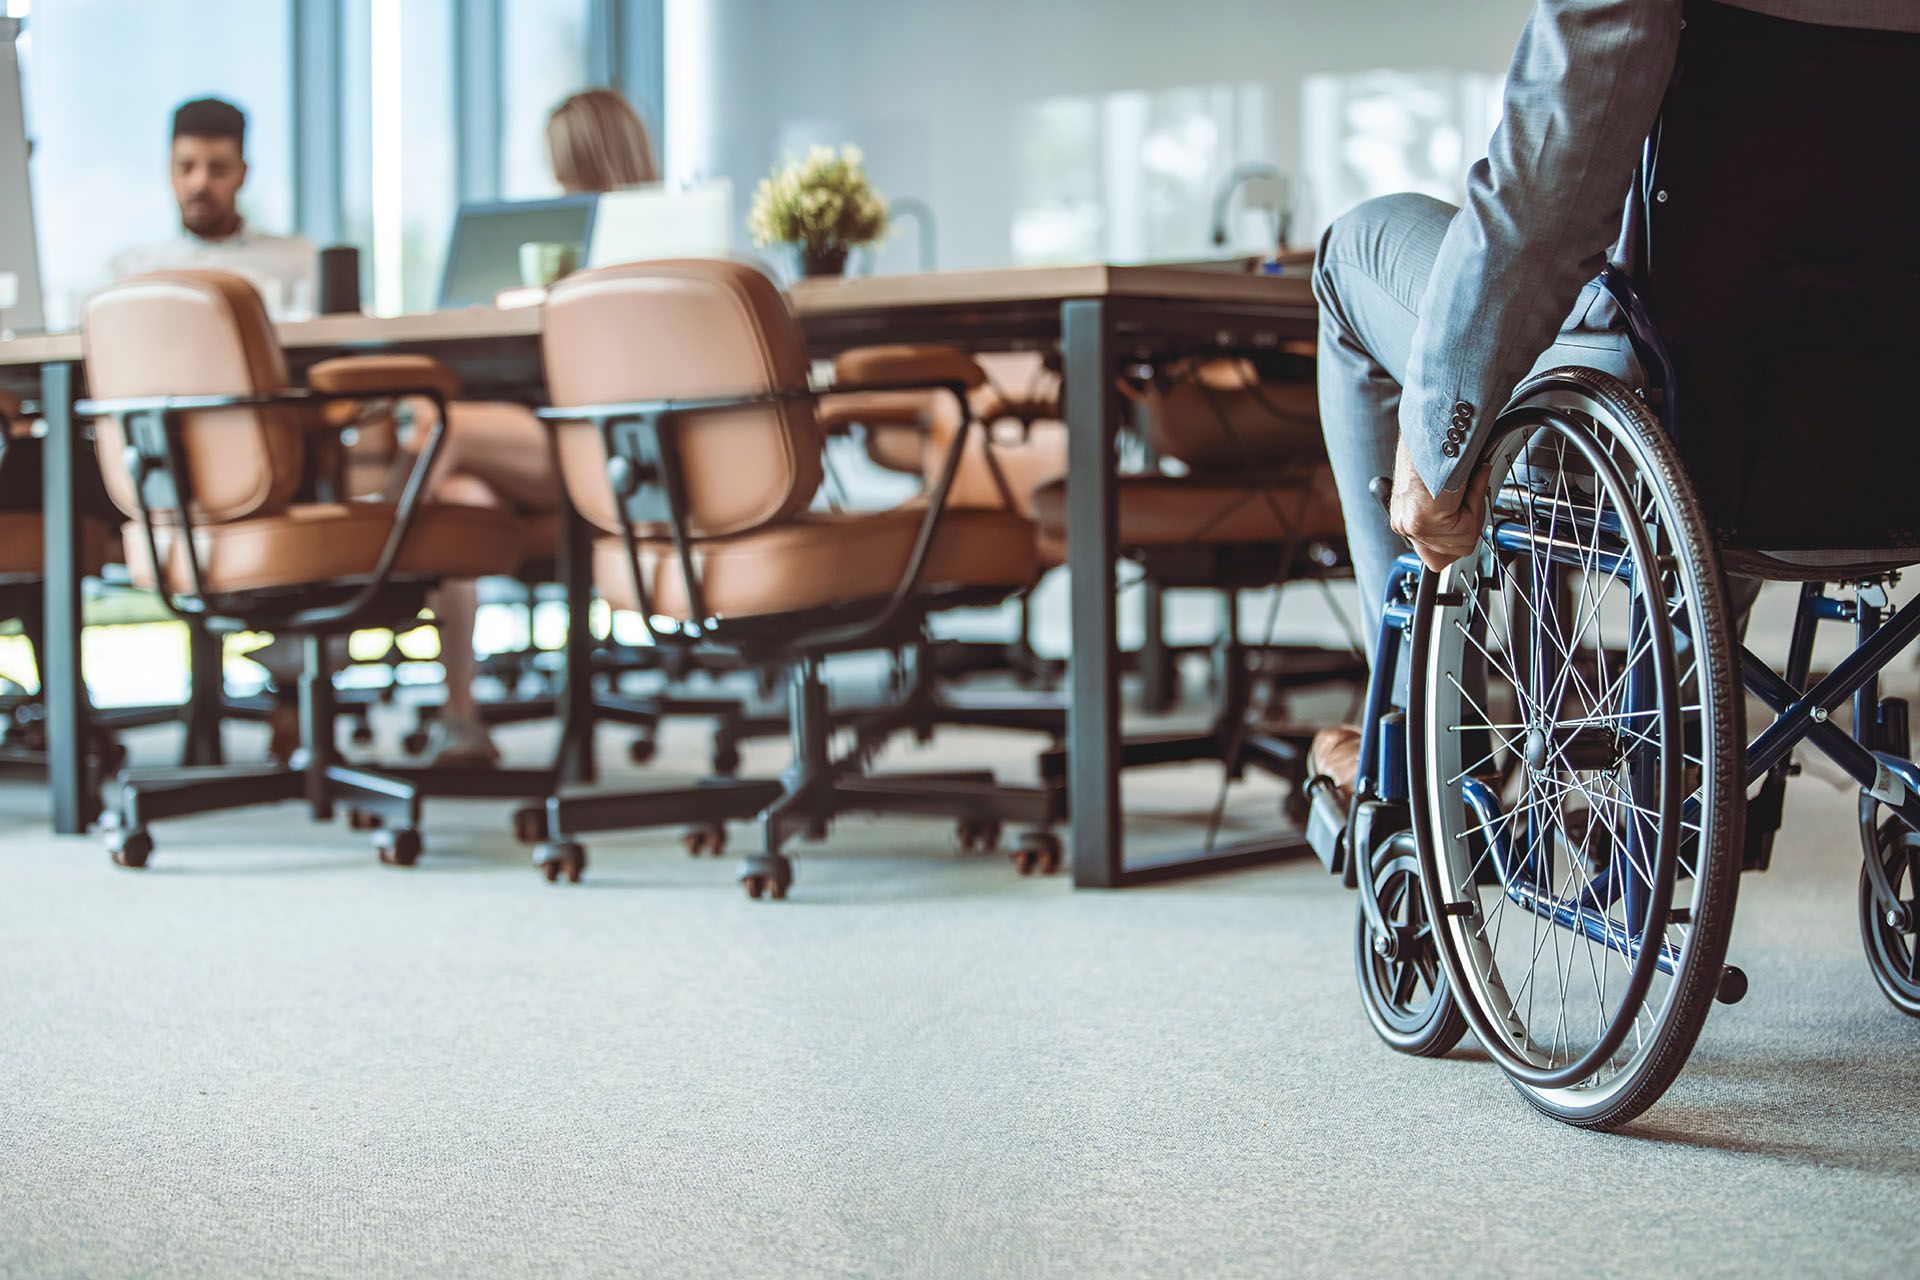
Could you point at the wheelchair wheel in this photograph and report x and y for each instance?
(1401, 986)
(1893, 946)
(1582, 906)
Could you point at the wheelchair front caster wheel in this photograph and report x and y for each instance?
(364, 820)
(557, 858)
(977, 835)
(708, 837)
(640, 750)
(530, 824)
(400, 847)
(129, 848)
(766, 875)
(1892, 937)
(1401, 986)
(1038, 851)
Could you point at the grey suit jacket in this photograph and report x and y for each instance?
(1543, 208)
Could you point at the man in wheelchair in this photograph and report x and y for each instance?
(1589, 423)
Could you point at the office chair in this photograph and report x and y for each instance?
(203, 445)
(1252, 506)
(688, 437)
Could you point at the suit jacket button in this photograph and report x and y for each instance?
(1456, 434)
(1451, 449)
(1461, 409)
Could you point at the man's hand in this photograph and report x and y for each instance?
(1441, 529)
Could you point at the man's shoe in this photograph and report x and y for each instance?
(1333, 759)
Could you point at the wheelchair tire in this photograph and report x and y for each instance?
(1583, 923)
(1405, 994)
(1893, 953)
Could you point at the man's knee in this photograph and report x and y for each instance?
(1363, 235)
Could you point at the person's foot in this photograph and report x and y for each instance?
(1333, 759)
(283, 733)
(458, 741)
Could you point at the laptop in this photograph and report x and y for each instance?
(484, 256)
(644, 223)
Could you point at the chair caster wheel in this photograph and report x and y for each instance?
(364, 820)
(399, 847)
(1038, 851)
(768, 875)
(362, 735)
(726, 760)
(556, 858)
(530, 824)
(977, 835)
(1733, 985)
(709, 837)
(129, 848)
(640, 750)
(415, 742)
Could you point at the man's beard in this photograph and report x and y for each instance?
(206, 219)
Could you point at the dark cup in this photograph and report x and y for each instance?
(339, 279)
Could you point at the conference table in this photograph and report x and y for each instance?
(1101, 318)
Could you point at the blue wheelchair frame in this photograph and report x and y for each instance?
(1879, 764)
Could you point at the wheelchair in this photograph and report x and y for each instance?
(1557, 797)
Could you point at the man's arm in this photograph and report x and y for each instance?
(1542, 210)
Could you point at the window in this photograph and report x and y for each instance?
(543, 58)
(101, 81)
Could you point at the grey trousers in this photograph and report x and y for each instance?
(1370, 278)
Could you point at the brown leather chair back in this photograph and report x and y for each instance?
(1222, 415)
(683, 329)
(191, 333)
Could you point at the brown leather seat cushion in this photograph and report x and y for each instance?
(1173, 511)
(324, 542)
(10, 407)
(384, 375)
(907, 362)
(23, 546)
(822, 559)
(540, 535)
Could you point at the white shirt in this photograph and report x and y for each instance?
(282, 268)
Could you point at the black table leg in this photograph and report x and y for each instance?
(206, 697)
(75, 806)
(1093, 716)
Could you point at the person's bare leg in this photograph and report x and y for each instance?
(459, 734)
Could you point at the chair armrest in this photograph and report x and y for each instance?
(908, 363)
(391, 375)
(839, 411)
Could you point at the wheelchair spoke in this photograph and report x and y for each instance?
(1588, 610)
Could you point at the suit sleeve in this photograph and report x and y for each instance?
(1541, 212)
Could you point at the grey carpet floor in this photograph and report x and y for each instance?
(268, 1055)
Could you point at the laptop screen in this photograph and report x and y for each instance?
(484, 257)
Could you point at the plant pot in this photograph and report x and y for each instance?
(830, 261)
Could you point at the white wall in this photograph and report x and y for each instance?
(934, 90)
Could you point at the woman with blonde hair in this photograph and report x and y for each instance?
(498, 454)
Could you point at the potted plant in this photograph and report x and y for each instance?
(822, 205)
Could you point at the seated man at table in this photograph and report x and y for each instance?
(209, 167)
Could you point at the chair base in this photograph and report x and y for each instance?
(803, 802)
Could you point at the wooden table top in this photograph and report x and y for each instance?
(823, 299)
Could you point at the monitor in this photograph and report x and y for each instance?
(643, 223)
(483, 257)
